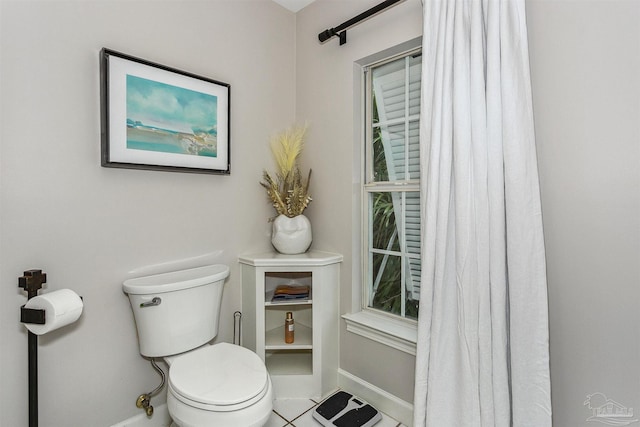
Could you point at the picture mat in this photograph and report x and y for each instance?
(118, 70)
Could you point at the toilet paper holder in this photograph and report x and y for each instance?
(34, 316)
(32, 282)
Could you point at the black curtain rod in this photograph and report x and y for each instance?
(341, 30)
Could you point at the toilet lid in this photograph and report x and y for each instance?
(221, 374)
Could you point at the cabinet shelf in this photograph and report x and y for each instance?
(268, 303)
(298, 362)
(274, 338)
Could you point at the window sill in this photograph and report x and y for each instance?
(383, 329)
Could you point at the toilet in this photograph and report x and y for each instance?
(176, 315)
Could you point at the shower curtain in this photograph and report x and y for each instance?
(482, 352)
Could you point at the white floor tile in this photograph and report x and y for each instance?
(387, 421)
(276, 421)
(306, 420)
(292, 408)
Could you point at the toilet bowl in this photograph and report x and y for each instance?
(220, 385)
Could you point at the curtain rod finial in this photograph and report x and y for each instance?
(326, 35)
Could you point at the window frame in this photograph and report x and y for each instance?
(375, 325)
(369, 186)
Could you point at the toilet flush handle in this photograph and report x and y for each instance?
(154, 301)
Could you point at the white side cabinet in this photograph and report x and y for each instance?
(308, 367)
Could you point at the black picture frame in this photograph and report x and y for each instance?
(160, 118)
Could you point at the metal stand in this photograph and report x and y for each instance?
(32, 282)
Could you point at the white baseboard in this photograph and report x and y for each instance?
(382, 400)
(160, 418)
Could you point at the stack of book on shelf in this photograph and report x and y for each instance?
(286, 293)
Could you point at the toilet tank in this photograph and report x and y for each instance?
(185, 312)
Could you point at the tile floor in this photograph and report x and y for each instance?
(298, 413)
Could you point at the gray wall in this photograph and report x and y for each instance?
(88, 227)
(585, 66)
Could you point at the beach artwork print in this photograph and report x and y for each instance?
(159, 118)
(170, 119)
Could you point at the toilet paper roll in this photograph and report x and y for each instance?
(61, 308)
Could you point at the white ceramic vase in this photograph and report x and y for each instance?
(291, 235)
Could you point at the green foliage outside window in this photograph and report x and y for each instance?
(387, 292)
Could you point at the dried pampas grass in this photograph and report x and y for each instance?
(288, 192)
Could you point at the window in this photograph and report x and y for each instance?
(391, 186)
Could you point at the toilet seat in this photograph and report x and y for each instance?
(222, 377)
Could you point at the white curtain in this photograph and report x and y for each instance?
(482, 353)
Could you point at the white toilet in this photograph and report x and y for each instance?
(221, 385)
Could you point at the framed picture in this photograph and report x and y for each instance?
(156, 117)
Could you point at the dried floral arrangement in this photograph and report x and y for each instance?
(288, 192)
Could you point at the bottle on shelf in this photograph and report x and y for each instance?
(289, 328)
